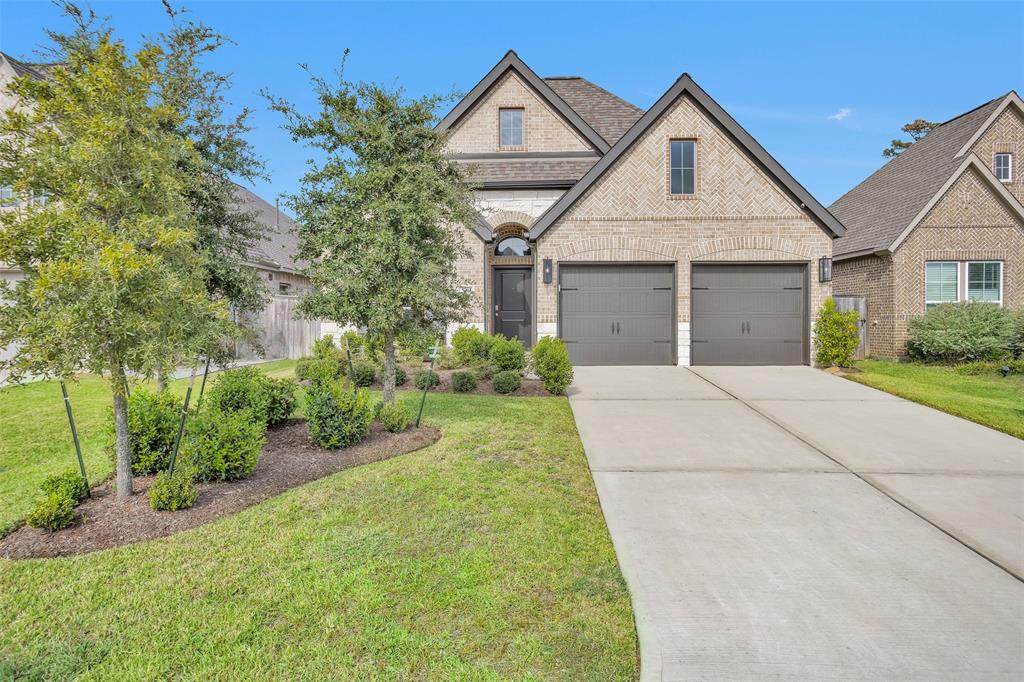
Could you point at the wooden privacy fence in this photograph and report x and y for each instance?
(860, 304)
(282, 334)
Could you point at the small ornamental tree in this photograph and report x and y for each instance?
(836, 335)
(113, 280)
(376, 212)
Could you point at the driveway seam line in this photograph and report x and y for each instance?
(863, 478)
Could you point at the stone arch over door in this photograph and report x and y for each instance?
(501, 218)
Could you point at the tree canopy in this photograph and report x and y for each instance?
(917, 129)
(377, 213)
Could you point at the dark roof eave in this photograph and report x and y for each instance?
(685, 85)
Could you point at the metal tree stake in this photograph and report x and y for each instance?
(202, 386)
(181, 422)
(351, 369)
(426, 386)
(74, 437)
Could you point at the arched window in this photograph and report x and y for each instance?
(512, 246)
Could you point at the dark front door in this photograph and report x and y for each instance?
(618, 313)
(513, 302)
(749, 314)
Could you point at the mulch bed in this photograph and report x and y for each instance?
(288, 459)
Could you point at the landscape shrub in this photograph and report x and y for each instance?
(471, 345)
(426, 379)
(336, 418)
(223, 445)
(52, 511)
(400, 375)
(414, 342)
(507, 355)
(324, 347)
(1017, 340)
(463, 382)
(447, 359)
(281, 400)
(507, 381)
(69, 483)
(152, 427)
(551, 362)
(836, 335)
(317, 370)
(484, 370)
(363, 373)
(962, 332)
(171, 492)
(245, 389)
(394, 416)
(983, 368)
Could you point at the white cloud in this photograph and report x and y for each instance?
(842, 114)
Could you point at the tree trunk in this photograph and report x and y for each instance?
(122, 451)
(389, 367)
(161, 381)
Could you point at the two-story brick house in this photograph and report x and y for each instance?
(942, 222)
(639, 237)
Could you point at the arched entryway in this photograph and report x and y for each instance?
(513, 297)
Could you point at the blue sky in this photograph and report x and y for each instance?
(823, 86)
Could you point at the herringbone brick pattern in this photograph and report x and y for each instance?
(728, 183)
(544, 130)
(970, 202)
(1006, 134)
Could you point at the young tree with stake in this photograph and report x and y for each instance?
(114, 282)
(378, 214)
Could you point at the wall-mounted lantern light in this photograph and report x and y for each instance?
(825, 269)
(547, 271)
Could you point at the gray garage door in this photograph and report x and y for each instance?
(618, 314)
(749, 314)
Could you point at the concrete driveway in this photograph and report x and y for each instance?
(779, 523)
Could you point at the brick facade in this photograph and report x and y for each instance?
(737, 214)
(1006, 134)
(970, 222)
(544, 130)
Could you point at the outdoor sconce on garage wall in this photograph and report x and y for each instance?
(824, 269)
(547, 271)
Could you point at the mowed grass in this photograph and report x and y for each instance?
(35, 439)
(991, 400)
(483, 557)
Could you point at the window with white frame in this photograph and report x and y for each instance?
(985, 282)
(510, 127)
(954, 281)
(1004, 167)
(941, 283)
(683, 167)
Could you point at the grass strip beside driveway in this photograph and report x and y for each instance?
(990, 400)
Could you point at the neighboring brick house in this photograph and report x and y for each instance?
(659, 237)
(941, 222)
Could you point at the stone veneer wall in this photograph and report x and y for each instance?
(544, 130)
(737, 214)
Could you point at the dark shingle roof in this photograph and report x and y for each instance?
(610, 115)
(486, 171)
(280, 245)
(37, 71)
(876, 211)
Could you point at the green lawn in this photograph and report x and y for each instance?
(36, 439)
(483, 557)
(990, 400)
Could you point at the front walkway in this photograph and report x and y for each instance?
(781, 523)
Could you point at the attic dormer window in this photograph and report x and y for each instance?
(510, 127)
(683, 167)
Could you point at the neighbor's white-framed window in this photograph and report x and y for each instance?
(682, 167)
(985, 281)
(1004, 166)
(510, 127)
(941, 283)
(955, 281)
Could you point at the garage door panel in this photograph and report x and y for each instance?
(748, 314)
(617, 314)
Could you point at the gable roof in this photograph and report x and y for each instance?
(512, 62)
(685, 85)
(35, 71)
(608, 114)
(890, 201)
(279, 247)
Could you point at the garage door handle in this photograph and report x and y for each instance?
(618, 328)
